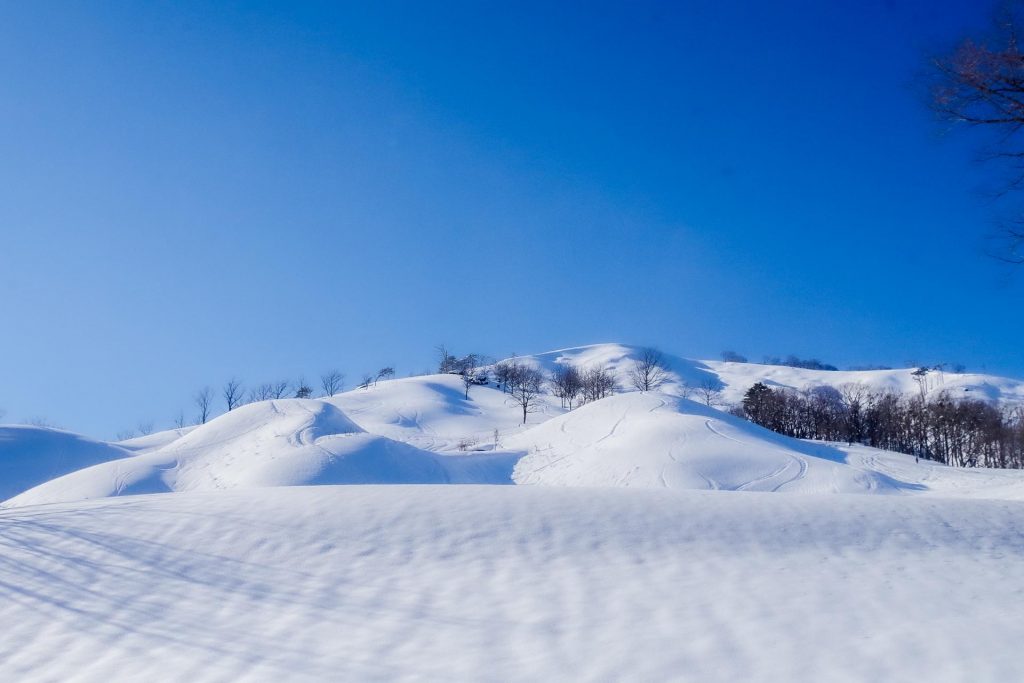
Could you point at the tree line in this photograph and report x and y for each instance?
(957, 431)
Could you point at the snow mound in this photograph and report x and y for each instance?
(154, 441)
(656, 440)
(30, 456)
(432, 411)
(285, 442)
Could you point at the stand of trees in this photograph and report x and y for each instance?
(954, 431)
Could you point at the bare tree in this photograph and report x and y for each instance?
(598, 382)
(366, 380)
(384, 373)
(179, 420)
(981, 84)
(332, 382)
(503, 373)
(232, 393)
(526, 388)
(468, 372)
(566, 384)
(733, 357)
(709, 391)
(203, 400)
(145, 428)
(649, 371)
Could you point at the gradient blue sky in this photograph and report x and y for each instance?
(191, 191)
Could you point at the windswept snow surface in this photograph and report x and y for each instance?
(656, 440)
(30, 456)
(512, 584)
(272, 443)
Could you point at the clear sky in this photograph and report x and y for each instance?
(192, 191)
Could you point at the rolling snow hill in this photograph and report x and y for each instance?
(30, 456)
(271, 443)
(425, 430)
(733, 379)
(656, 440)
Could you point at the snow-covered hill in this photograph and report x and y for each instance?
(656, 440)
(371, 583)
(271, 443)
(30, 456)
(425, 430)
(733, 379)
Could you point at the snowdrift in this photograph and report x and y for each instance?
(30, 456)
(656, 440)
(505, 583)
(272, 443)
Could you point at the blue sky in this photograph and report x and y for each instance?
(194, 191)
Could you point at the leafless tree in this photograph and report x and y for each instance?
(204, 402)
(649, 371)
(384, 373)
(981, 84)
(503, 373)
(566, 384)
(125, 434)
(366, 381)
(526, 388)
(145, 428)
(709, 391)
(232, 393)
(468, 373)
(733, 357)
(332, 382)
(598, 383)
(179, 420)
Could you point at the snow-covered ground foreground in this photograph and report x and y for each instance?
(512, 583)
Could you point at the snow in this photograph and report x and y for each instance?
(640, 544)
(271, 443)
(30, 456)
(512, 584)
(432, 412)
(733, 379)
(425, 430)
(656, 440)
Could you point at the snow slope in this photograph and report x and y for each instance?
(656, 440)
(738, 377)
(432, 412)
(30, 456)
(733, 379)
(271, 443)
(376, 583)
